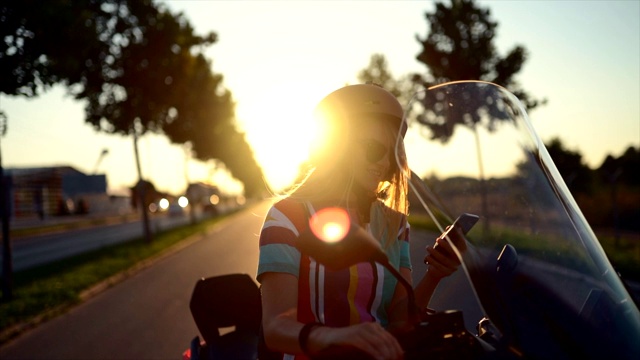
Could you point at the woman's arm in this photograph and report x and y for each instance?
(425, 288)
(281, 328)
(398, 315)
(442, 262)
(279, 312)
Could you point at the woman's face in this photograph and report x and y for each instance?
(372, 154)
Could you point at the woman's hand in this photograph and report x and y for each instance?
(441, 258)
(442, 262)
(369, 337)
(281, 329)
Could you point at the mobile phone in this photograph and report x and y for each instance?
(464, 222)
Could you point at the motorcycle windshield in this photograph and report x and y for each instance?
(534, 263)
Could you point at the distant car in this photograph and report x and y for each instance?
(175, 210)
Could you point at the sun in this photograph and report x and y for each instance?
(279, 126)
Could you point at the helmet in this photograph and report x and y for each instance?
(349, 102)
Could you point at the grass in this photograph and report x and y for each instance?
(422, 222)
(624, 254)
(48, 290)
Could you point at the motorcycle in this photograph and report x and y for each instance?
(541, 284)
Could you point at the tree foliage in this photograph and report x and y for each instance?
(576, 174)
(460, 46)
(55, 44)
(608, 195)
(580, 178)
(624, 169)
(620, 176)
(138, 66)
(378, 72)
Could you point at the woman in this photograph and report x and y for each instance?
(307, 308)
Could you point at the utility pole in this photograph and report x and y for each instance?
(141, 190)
(7, 261)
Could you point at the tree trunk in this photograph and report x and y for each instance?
(141, 191)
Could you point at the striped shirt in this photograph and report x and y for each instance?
(361, 293)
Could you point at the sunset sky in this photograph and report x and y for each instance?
(279, 58)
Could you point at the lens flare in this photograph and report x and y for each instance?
(330, 224)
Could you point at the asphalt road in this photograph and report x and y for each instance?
(147, 316)
(41, 249)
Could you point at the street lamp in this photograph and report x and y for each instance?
(104, 153)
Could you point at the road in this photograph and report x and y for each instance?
(147, 316)
(41, 249)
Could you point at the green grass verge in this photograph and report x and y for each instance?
(48, 290)
(422, 222)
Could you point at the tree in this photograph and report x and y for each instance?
(627, 167)
(192, 122)
(577, 176)
(621, 176)
(378, 72)
(459, 46)
(139, 67)
(55, 44)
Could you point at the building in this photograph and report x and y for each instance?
(58, 190)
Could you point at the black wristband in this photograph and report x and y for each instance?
(303, 336)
